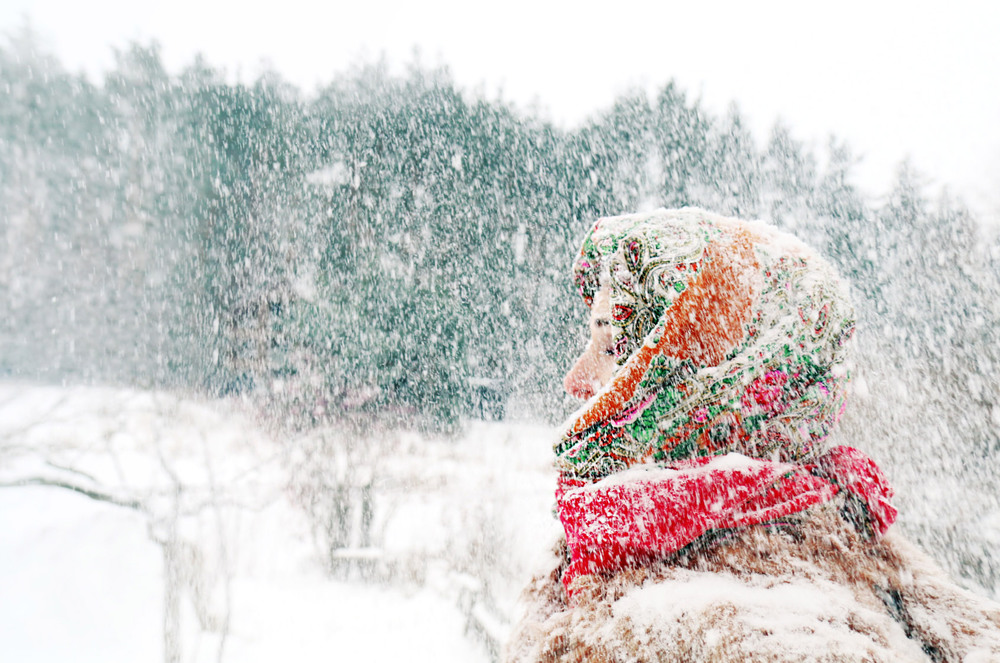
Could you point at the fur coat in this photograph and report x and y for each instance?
(811, 590)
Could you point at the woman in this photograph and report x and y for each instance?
(705, 517)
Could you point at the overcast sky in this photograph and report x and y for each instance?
(893, 78)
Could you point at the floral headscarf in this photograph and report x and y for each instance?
(689, 283)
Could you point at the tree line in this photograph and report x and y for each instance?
(392, 248)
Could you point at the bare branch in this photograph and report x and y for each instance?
(88, 492)
(72, 470)
(46, 417)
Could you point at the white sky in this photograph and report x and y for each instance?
(893, 78)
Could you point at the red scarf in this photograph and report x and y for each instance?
(647, 513)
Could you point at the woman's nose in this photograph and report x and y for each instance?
(581, 380)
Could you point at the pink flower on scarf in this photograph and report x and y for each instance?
(766, 393)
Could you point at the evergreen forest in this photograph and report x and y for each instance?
(393, 250)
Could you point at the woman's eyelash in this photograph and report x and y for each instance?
(609, 351)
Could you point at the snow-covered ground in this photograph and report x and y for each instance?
(457, 524)
(134, 524)
(82, 582)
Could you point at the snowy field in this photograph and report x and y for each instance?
(194, 534)
(82, 582)
(142, 526)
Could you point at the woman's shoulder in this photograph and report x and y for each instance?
(814, 590)
(760, 594)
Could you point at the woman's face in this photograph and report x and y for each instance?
(597, 364)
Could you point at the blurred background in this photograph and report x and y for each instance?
(286, 301)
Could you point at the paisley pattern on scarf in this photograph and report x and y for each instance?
(686, 283)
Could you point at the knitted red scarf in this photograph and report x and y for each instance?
(644, 514)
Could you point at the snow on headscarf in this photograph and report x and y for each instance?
(767, 318)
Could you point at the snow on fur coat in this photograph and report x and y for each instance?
(812, 590)
(702, 464)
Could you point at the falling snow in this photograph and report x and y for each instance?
(279, 371)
